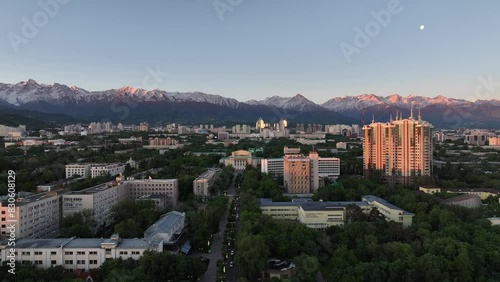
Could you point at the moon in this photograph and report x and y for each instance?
(422, 27)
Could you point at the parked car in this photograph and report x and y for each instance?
(232, 252)
(289, 267)
(231, 264)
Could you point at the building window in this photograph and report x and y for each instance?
(68, 253)
(136, 253)
(93, 253)
(68, 261)
(80, 253)
(93, 261)
(53, 262)
(80, 262)
(53, 253)
(38, 262)
(25, 253)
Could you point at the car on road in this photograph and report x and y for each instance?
(231, 264)
(232, 252)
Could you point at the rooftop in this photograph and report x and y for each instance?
(371, 198)
(80, 243)
(164, 224)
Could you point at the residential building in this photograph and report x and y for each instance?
(467, 201)
(78, 253)
(162, 141)
(222, 136)
(99, 199)
(77, 169)
(321, 215)
(239, 160)
(401, 149)
(203, 183)
(106, 169)
(14, 131)
(35, 216)
(476, 138)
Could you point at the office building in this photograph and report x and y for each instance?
(301, 174)
(169, 188)
(203, 183)
(78, 253)
(321, 215)
(159, 201)
(97, 170)
(400, 149)
(82, 170)
(494, 141)
(166, 229)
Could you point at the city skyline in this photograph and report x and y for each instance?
(256, 49)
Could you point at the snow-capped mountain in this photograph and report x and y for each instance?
(136, 104)
(297, 102)
(30, 91)
(340, 104)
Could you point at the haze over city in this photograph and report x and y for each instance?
(256, 49)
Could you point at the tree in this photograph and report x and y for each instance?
(306, 267)
(78, 224)
(252, 254)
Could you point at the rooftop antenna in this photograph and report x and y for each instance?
(419, 116)
(390, 119)
(411, 110)
(373, 118)
(397, 114)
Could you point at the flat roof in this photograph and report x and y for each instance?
(371, 198)
(324, 206)
(77, 243)
(164, 224)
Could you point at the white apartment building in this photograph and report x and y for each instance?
(78, 253)
(166, 187)
(103, 169)
(35, 216)
(100, 199)
(77, 169)
(203, 183)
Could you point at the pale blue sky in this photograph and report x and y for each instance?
(259, 49)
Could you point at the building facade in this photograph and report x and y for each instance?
(239, 160)
(203, 183)
(78, 253)
(400, 149)
(321, 215)
(36, 216)
(77, 169)
(104, 169)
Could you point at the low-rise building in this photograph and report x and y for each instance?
(483, 193)
(169, 188)
(467, 201)
(159, 201)
(321, 215)
(239, 160)
(166, 229)
(78, 253)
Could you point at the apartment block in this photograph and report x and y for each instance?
(494, 141)
(400, 149)
(273, 167)
(77, 169)
(203, 183)
(100, 199)
(36, 216)
(297, 174)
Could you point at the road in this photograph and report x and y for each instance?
(216, 248)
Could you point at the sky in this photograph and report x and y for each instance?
(253, 49)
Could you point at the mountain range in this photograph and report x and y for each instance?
(128, 104)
